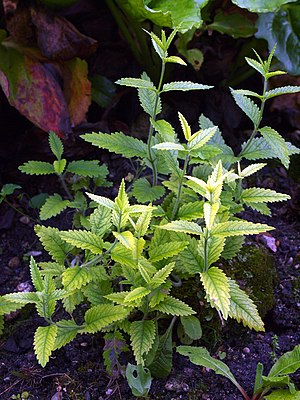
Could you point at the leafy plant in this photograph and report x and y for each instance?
(73, 176)
(277, 380)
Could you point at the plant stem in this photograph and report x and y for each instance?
(19, 211)
(151, 128)
(177, 203)
(255, 130)
(64, 185)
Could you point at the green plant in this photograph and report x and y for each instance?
(276, 381)
(74, 176)
(125, 262)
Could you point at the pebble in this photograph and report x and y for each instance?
(246, 350)
(25, 220)
(24, 287)
(297, 266)
(289, 262)
(14, 262)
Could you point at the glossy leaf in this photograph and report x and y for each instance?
(261, 6)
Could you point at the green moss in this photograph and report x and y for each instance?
(254, 270)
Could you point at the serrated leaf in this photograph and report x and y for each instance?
(259, 148)
(185, 127)
(161, 276)
(148, 99)
(201, 137)
(183, 226)
(66, 332)
(210, 212)
(56, 145)
(189, 260)
(166, 250)
(100, 220)
(8, 189)
(51, 268)
(169, 146)
(200, 356)
(22, 297)
(192, 327)
(282, 90)
(53, 206)
(75, 277)
(161, 362)
(251, 169)
(248, 106)
(59, 166)
(175, 59)
(36, 275)
(136, 294)
(118, 143)
(72, 300)
(37, 168)
(283, 395)
(277, 144)
(287, 364)
(44, 339)
(83, 240)
(214, 248)
(243, 309)
(91, 169)
(256, 65)
(102, 315)
(172, 306)
(7, 306)
(216, 287)
(190, 211)
(52, 242)
(184, 86)
(126, 239)
(261, 208)
(136, 83)
(232, 246)
(259, 195)
(143, 222)
(165, 130)
(236, 228)
(145, 193)
(142, 335)
(103, 201)
(246, 92)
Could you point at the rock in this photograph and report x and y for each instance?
(14, 262)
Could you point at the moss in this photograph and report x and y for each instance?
(254, 270)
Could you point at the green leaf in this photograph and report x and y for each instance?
(126, 239)
(75, 277)
(139, 379)
(185, 127)
(66, 332)
(59, 166)
(100, 220)
(248, 106)
(44, 340)
(161, 364)
(200, 356)
(234, 24)
(281, 28)
(35, 274)
(7, 306)
(259, 195)
(118, 143)
(83, 240)
(210, 212)
(243, 309)
(287, 364)
(189, 260)
(53, 206)
(277, 144)
(136, 294)
(166, 250)
(183, 226)
(165, 130)
(190, 211)
(169, 146)
(282, 90)
(148, 99)
(216, 287)
(201, 137)
(184, 86)
(172, 306)
(161, 276)
(91, 169)
(215, 245)
(232, 246)
(142, 335)
(136, 83)
(145, 193)
(283, 395)
(8, 189)
(251, 169)
(98, 317)
(103, 201)
(175, 60)
(236, 228)
(22, 297)
(37, 168)
(261, 6)
(143, 222)
(192, 327)
(259, 148)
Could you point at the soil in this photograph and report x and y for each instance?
(76, 372)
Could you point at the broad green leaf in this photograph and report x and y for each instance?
(36, 275)
(98, 317)
(148, 99)
(52, 242)
(200, 356)
(189, 262)
(172, 306)
(282, 90)
(53, 206)
(214, 248)
(234, 24)
(7, 306)
(75, 277)
(237, 228)
(66, 332)
(281, 28)
(232, 246)
(261, 208)
(183, 226)
(145, 193)
(277, 144)
(136, 83)
(37, 168)
(288, 363)
(126, 239)
(139, 379)
(166, 250)
(165, 130)
(142, 335)
(190, 211)
(259, 195)
(283, 395)
(8, 189)
(161, 364)
(248, 106)
(261, 6)
(198, 185)
(118, 143)
(210, 212)
(169, 146)
(192, 327)
(70, 302)
(216, 287)
(91, 169)
(184, 86)
(100, 220)
(243, 309)
(44, 340)
(136, 294)
(83, 240)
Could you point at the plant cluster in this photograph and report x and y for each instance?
(130, 253)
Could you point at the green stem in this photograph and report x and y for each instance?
(65, 187)
(19, 211)
(180, 184)
(255, 130)
(151, 128)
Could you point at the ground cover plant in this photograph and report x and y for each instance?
(122, 266)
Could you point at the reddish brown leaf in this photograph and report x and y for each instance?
(58, 39)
